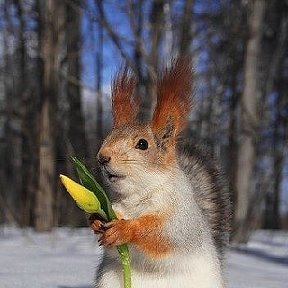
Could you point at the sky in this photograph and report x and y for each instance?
(111, 55)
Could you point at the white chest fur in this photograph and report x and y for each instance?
(193, 262)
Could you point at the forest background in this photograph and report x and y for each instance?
(57, 59)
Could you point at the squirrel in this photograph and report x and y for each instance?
(171, 199)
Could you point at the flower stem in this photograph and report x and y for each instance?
(125, 260)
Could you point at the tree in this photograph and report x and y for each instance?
(249, 121)
(50, 21)
(99, 80)
(76, 124)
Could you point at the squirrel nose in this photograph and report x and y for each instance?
(103, 159)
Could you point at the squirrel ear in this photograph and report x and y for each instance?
(165, 135)
(125, 106)
(174, 100)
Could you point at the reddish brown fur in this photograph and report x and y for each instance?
(174, 93)
(125, 107)
(144, 232)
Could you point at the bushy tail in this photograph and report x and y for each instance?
(211, 191)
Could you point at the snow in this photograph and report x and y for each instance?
(67, 258)
(262, 263)
(61, 259)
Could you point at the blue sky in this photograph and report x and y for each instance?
(111, 56)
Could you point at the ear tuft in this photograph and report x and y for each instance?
(174, 97)
(125, 106)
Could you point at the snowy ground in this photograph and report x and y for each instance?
(67, 258)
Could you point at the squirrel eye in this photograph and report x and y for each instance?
(142, 144)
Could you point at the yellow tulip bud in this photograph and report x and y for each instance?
(84, 198)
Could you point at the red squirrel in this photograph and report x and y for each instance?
(172, 202)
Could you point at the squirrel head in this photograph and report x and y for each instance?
(137, 152)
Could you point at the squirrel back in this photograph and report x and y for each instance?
(211, 190)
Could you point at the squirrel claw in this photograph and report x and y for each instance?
(96, 225)
(116, 233)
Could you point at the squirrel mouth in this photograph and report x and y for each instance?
(111, 175)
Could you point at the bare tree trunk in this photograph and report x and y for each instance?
(273, 54)
(76, 126)
(167, 33)
(280, 128)
(136, 11)
(8, 155)
(156, 22)
(185, 28)
(9, 147)
(249, 122)
(28, 113)
(49, 49)
(277, 177)
(75, 144)
(99, 71)
(11, 130)
(232, 138)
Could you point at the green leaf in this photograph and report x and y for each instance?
(88, 181)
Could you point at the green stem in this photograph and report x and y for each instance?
(125, 260)
(123, 252)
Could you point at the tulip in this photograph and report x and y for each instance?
(96, 202)
(85, 199)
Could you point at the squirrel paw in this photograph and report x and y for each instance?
(117, 232)
(95, 224)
